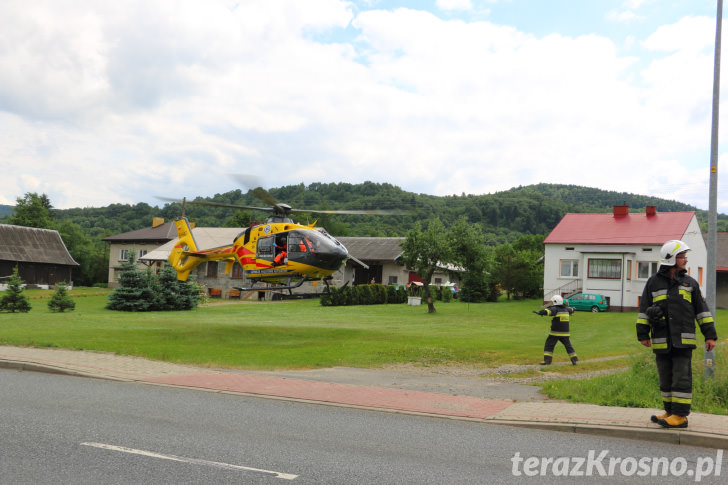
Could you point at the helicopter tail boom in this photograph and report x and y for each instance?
(179, 256)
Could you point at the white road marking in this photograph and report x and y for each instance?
(152, 454)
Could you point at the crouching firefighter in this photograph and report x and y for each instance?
(559, 329)
(670, 305)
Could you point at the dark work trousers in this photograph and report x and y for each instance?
(676, 380)
(548, 348)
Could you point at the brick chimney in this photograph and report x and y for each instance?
(651, 210)
(621, 210)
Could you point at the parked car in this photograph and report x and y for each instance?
(589, 302)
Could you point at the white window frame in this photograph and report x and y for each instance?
(573, 263)
(652, 268)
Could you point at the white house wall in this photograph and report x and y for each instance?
(625, 291)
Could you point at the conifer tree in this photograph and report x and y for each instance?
(61, 300)
(141, 291)
(14, 300)
(178, 295)
(130, 295)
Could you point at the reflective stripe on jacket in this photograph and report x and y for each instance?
(560, 322)
(682, 305)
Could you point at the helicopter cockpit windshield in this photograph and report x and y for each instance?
(307, 246)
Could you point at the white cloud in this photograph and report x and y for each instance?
(110, 102)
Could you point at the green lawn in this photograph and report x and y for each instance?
(303, 334)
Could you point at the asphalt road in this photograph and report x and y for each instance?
(61, 429)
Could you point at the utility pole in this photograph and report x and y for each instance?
(713, 197)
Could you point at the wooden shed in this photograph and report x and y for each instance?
(39, 254)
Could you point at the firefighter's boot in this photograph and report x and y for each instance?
(656, 418)
(574, 360)
(546, 360)
(674, 421)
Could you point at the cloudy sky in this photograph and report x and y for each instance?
(116, 102)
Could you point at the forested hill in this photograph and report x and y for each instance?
(504, 216)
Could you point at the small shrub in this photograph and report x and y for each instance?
(14, 300)
(61, 300)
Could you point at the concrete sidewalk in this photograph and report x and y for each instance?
(705, 430)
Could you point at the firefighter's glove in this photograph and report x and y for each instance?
(654, 314)
(540, 312)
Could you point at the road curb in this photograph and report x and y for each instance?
(51, 369)
(675, 437)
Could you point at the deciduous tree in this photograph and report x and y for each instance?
(425, 251)
(33, 210)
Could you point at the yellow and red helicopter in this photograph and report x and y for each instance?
(278, 251)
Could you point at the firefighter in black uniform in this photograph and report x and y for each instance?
(559, 329)
(671, 303)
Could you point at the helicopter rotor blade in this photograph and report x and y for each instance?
(252, 183)
(214, 204)
(376, 212)
(228, 206)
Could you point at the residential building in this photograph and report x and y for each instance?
(721, 269)
(613, 254)
(138, 243)
(377, 259)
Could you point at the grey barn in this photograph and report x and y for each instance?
(39, 254)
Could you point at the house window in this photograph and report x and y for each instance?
(212, 269)
(609, 269)
(142, 252)
(392, 280)
(438, 281)
(124, 254)
(645, 269)
(237, 271)
(569, 268)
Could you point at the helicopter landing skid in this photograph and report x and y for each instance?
(287, 286)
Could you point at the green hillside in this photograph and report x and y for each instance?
(504, 216)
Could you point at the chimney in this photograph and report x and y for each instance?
(157, 221)
(621, 210)
(651, 210)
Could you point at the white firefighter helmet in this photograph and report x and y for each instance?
(670, 250)
(557, 300)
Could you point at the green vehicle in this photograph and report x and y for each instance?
(589, 302)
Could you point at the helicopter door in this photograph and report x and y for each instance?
(266, 247)
(273, 249)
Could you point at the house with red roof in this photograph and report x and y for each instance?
(613, 254)
(721, 269)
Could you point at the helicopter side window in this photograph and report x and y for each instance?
(298, 243)
(265, 247)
